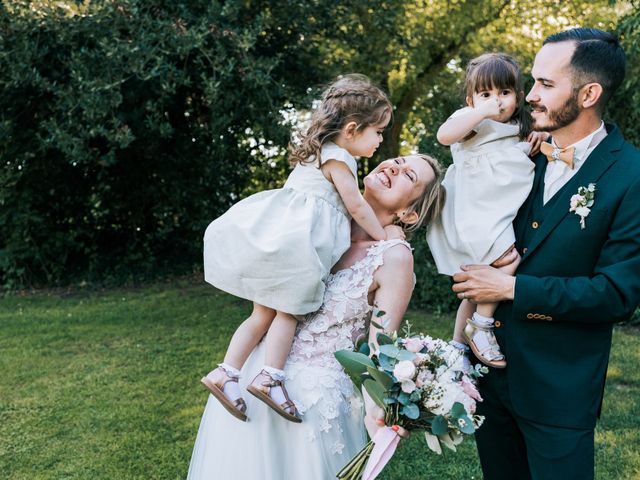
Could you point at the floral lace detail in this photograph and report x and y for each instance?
(336, 326)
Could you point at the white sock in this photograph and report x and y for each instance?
(276, 393)
(231, 389)
(482, 320)
(459, 345)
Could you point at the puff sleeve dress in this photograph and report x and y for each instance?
(490, 178)
(277, 247)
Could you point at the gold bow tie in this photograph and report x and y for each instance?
(563, 154)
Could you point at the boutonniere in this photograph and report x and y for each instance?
(582, 202)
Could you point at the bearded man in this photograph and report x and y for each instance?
(578, 235)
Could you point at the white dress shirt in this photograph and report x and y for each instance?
(558, 173)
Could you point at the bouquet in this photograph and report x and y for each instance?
(420, 385)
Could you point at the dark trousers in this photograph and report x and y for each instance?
(514, 448)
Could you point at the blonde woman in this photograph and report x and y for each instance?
(370, 275)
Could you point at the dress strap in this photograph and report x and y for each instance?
(375, 255)
(382, 246)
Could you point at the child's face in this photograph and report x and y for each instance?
(506, 99)
(365, 142)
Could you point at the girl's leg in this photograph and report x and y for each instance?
(248, 335)
(465, 310)
(479, 333)
(222, 382)
(268, 386)
(279, 340)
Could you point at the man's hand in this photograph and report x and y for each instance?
(483, 284)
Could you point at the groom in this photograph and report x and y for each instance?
(579, 273)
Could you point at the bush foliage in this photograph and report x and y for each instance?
(127, 125)
(123, 129)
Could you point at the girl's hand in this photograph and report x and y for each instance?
(489, 108)
(509, 261)
(535, 139)
(394, 232)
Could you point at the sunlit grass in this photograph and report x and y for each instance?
(105, 386)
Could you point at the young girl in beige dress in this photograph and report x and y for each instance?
(489, 180)
(277, 247)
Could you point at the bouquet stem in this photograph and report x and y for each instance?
(353, 470)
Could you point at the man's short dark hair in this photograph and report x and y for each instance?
(598, 58)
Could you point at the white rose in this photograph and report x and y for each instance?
(404, 370)
(583, 211)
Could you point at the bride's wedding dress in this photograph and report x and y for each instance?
(332, 430)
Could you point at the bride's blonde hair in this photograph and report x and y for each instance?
(351, 98)
(428, 205)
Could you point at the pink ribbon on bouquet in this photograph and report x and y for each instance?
(385, 443)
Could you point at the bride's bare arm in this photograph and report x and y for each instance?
(393, 282)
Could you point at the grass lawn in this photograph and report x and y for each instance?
(106, 386)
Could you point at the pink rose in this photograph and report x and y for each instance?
(470, 389)
(413, 344)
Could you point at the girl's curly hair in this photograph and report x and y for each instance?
(351, 98)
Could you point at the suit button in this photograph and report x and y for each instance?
(498, 323)
(525, 250)
(529, 316)
(535, 225)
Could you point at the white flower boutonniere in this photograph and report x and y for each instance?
(582, 202)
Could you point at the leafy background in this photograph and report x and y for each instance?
(127, 125)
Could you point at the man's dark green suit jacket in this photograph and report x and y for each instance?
(572, 285)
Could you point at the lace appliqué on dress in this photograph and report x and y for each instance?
(323, 385)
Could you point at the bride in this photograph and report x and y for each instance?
(369, 276)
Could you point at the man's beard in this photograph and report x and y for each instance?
(561, 117)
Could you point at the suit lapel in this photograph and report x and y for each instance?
(593, 168)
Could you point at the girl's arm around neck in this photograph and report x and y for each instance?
(458, 127)
(342, 178)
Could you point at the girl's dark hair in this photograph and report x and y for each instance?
(498, 70)
(351, 98)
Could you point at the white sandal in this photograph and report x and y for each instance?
(490, 355)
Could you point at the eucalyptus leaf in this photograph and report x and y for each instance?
(389, 350)
(404, 398)
(387, 363)
(439, 425)
(364, 349)
(406, 355)
(375, 391)
(383, 339)
(383, 378)
(412, 411)
(466, 425)
(355, 364)
(377, 325)
(458, 410)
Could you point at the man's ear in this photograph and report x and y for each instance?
(590, 95)
(409, 218)
(350, 129)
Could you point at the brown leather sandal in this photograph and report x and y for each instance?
(491, 354)
(237, 407)
(261, 389)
